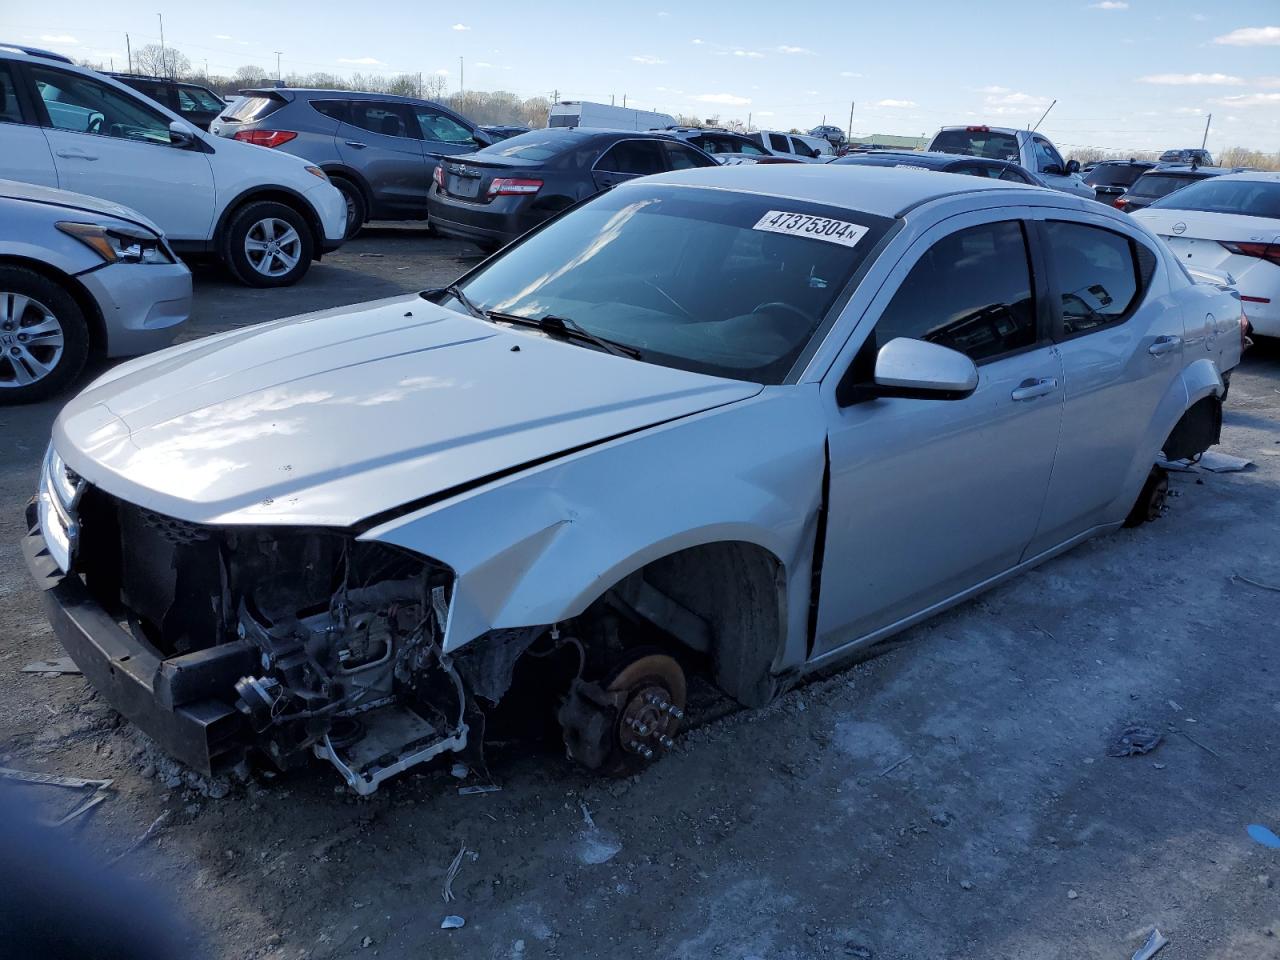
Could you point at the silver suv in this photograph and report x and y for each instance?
(380, 150)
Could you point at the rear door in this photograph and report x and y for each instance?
(681, 156)
(112, 144)
(24, 151)
(380, 139)
(1119, 332)
(628, 159)
(931, 497)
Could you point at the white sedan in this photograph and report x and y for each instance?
(738, 421)
(1229, 224)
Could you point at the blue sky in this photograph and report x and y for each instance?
(1127, 75)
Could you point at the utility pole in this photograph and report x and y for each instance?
(1208, 120)
(462, 76)
(555, 96)
(611, 103)
(278, 76)
(128, 51)
(1043, 115)
(748, 123)
(419, 84)
(849, 134)
(164, 57)
(206, 68)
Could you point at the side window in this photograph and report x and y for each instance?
(778, 142)
(639, 157)
(437, 126)
(746, 147)
(388, 119)
(971, 291)
(10, 110)
(83, 105)
(333, 109)
(802, 149)
(1017, 176)
(974, 169)
(684, 158)
(1101, 275)
(1046, 155)
(156, 91)
(198, 99)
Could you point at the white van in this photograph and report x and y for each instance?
(584, 113)
(266, 215)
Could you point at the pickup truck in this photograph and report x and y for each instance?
(1032, 150)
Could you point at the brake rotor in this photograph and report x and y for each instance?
(650, 692)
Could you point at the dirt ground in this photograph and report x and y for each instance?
(949, 798)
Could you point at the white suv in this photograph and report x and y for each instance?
(265, 214)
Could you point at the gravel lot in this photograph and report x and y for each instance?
(950, 797)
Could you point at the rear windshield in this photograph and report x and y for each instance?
(1154, 185)
(1250, 198)
(977, 143)
(563, 120)
(713, 281)
(1114, 175)
(535, 145)
(248, 109)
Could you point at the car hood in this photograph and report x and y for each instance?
(13, 190)
(333, 417)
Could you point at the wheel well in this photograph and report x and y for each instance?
(726, 600)
(290, 199)
(1196, 431)
(346, 173)
(88, 306)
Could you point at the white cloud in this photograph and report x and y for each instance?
(459, 27)
(764, 113)
(442, 72)
(896, 103)
(1194, 111)
(753, 54)
(727, 99)
(223, 36)
(697, 42)
(1250, 37)
(849, 73)
(1193, 79)
(663, 13)
(1267, 81)
(1110, 5)
(59, 38)
(1251, 100)
(482, 63)
(1199, 17)
(361, 61)
(993, 89)
(648, 60)
(1014, 104)
(784, 48)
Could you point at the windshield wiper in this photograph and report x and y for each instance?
(569, 329)
(458, 294)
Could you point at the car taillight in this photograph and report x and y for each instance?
(510, 187)
(1120, 202)
(438, 176)
(1263, 251)
(265, 138)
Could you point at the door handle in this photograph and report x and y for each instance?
(1031, 388)
(1163, 345)
(76, 155)
(356, 143)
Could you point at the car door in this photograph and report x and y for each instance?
(111, 143)
(1119, 333)
(931, 497)
(1052, 168)
(380, 140)
(24, 151)
(628, 159)
(443, 136)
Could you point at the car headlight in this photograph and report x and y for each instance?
(317, 172)
(119, 244)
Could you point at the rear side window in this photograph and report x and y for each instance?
(639, 157)
(388, 119)
(9, 109)
(977, 143)
(333, 109)
(1250, 198)
(148, 88)
(779, 143)
(971, 291)
(249, 109)
(1101, 275)
(1014, 175)
(685, 158)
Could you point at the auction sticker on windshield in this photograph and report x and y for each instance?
(816, 228)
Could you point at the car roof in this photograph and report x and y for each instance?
(924, 158)
(1263, 176)
(882, 191)
(295, 93)
(21, 49)
(1124, 163)
(1184, 170)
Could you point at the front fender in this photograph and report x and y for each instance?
(537, 548)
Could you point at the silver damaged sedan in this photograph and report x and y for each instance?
(736, 422)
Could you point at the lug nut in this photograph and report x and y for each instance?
(675, 711)
(667, 742)
(639, 726)
(22, 338)
(16, 352)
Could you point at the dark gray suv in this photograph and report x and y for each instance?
(379, 150)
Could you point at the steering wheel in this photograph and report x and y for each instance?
(784, 308)
(670, 299)
(95, 125)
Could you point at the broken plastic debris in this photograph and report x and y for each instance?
(452, 922)
(452, 872)
(459, 771)
(58, 665)
(478, 788)
(1133, 741)
(1264, 835)
(1216, 462)
(54, 780)
(1155, 941)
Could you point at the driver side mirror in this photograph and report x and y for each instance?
(914, 370)
(181, 136)
(1073, 166)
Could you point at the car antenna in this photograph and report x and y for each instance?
(1043, 115)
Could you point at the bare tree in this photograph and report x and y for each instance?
(159, 61)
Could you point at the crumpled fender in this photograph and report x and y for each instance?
(538, 547)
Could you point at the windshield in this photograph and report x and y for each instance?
(1114, 175)
(1250, 198)
(977, 143)
(711, 281)
(1152, 185)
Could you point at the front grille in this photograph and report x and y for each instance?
(173, 530)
